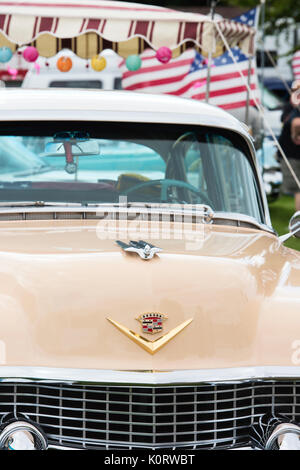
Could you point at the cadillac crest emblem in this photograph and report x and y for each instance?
(152, 322)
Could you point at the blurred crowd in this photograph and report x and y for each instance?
(290, 143)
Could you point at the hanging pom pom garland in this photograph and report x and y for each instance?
(164, 54)
(30, 54)
(98, 63)
(64, 64)
(5, 54)
(133, 63)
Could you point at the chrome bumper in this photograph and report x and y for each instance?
(102, 376)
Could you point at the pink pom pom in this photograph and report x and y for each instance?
(164, 54)
(30, 54)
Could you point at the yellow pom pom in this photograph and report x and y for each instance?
(98, 63)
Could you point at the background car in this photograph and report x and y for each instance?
(271, 169)
(273, 107)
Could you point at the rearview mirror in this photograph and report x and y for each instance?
(79, 149)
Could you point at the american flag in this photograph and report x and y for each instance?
(186, 76)
(296, 65)
(249, 18)
(227, 89)
(155, 77)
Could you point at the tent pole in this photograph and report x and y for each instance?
(262, 65)
(209, 59)
(208, 77)
(248, 91)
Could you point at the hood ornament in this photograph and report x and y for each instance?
(143, 249)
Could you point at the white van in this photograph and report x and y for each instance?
(79, 76)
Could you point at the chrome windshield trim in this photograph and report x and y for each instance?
(244, 218)
(136, 209)
(101, 376)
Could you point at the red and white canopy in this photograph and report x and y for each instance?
(89, 26)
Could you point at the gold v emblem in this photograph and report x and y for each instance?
(150, 346)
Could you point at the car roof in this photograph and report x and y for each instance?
(78, 104)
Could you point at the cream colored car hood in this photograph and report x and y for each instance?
(59, 282)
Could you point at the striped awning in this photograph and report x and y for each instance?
(89, 26)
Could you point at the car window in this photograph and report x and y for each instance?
(76, 84)
(118, 83)
(100, 162)
(218, 160)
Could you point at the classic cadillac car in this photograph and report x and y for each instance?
(146, 301)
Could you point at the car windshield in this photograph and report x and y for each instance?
(100, 162)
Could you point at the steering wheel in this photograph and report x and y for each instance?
(165, 185)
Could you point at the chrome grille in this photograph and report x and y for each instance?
(181, 416)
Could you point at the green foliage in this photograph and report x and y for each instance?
(275, 9)
(281, 211)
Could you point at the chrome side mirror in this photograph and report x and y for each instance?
(294, 225)
(294, 228)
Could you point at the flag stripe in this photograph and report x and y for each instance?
(237, 104)
(227, 91)
(155, 68)
(296, 64)
(214, 85)
(153, 83)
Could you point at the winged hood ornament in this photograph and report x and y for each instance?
(143, 249)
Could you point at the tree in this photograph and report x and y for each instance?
(275, 9)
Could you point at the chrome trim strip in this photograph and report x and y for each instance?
(135, 210)
(236, 374)
(146, 449)
(245, 448)
(57, 447)
(243, 218)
